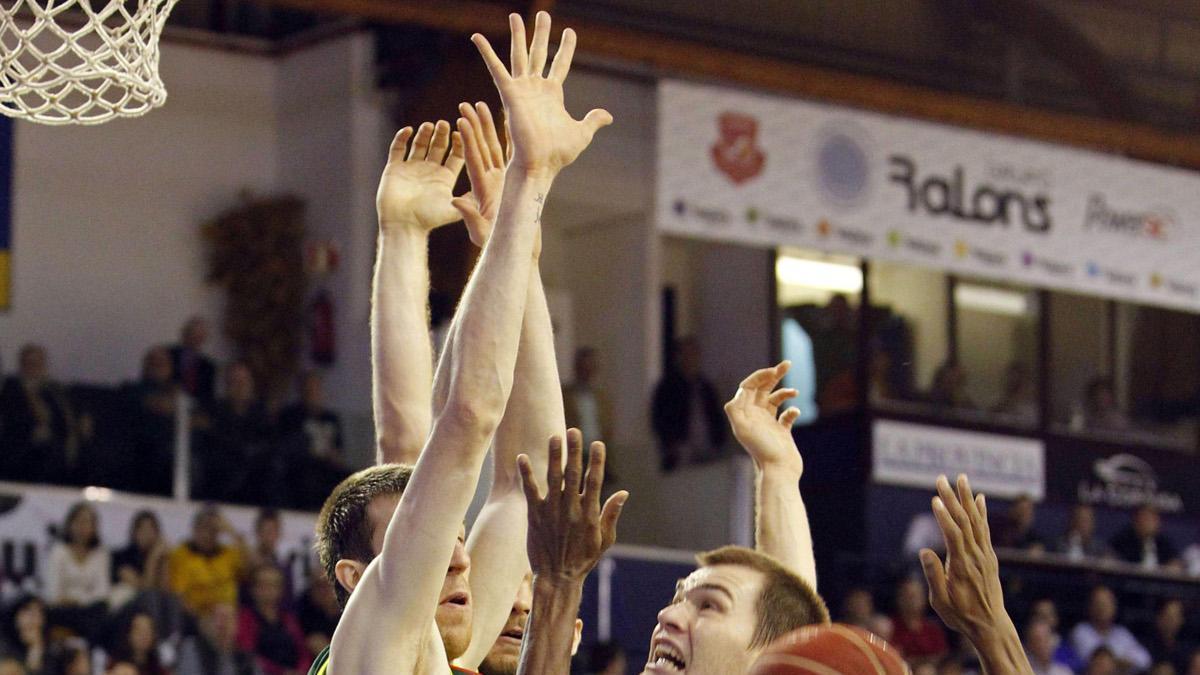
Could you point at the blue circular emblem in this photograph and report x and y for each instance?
(843, 168)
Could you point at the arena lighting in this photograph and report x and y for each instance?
(97, 494)
(817, 274)
(991, 300)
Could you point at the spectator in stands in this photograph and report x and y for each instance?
(203, 571)
(918, 637)
(193, 370)
(77, 577)
(834, 334)
(141, 565)
(1101, 412)
(27, 633)
(1165, 641)
(1044, 610)
(1040, 643)
(1015, 529)
(268, 630)
(137, 645)
(1101, 630)
(1019, 400)
(268, 528)
(213, 650)
(949, 387)
(40, 431)
(318, 612)
(858, 609)
(238, 444)
(154, 397)
(1103, 662)
(72, 657)
(686, 412)
(1080, 541)
(586, 406)
(313, 433)
(1143, 542)
(604, 658)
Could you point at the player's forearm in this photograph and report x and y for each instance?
(550, 632)
(781, 527)
(1000, 650)
(487, 332)
(401, 352)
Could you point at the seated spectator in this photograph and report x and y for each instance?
(193, 370)
(141, 565)
(1143, 542)
(269, 631)
(1079, 541)
(686, 412)
(1015, 529)
(267, 529)
(72, 657)
(213, 650)
(949, 387)
(204, 572)
(1019, 399)
(27, 633)
(858, 609)
(313, 433)
(238, 444)
(154, 398)
(1100, 409)
(1166, 642)
(1044, 609)
(137, 645)
(1103, 662)
(1040, 643)
(318, 612)
(585, 404)
(77, 577)
(1101, 630)
(40, 431)
(918, 638)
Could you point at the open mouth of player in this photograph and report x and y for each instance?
(515, 634)
(666, 658)
(459, 599)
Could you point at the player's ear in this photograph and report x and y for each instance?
(578, 637)
(349, 573)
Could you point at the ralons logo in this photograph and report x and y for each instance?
(736, 152)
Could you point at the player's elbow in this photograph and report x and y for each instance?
(472, 417)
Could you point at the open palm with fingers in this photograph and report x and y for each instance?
(545, 137)
(486, 167)
(752, 414)
(418, 182)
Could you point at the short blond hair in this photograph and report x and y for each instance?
(786, 602)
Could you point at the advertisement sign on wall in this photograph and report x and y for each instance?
(914, 455)
(767, 171)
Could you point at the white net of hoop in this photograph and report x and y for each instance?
(80, 61)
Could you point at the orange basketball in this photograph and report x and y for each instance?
(836, 649)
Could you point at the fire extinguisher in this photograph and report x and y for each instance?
(323, 336)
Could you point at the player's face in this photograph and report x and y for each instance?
(708, 627)
(502, 660)
(454, 608)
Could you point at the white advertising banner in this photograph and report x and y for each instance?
(914, 455)
(29, 515)
(767, 171)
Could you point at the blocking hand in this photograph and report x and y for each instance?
(545, 138)
(568, 530)
(486, 164)
(752, 416)
(417, 187)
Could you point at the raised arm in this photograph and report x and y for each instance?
(414, 198)
(568, 534)
(534, 413)
(388, 617)
(966, 591)
(781, 525)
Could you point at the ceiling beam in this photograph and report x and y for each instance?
(669, 56)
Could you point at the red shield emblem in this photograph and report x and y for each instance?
(736, 152)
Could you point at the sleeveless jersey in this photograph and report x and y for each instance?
(321, 666)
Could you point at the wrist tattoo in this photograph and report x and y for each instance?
(541, 202)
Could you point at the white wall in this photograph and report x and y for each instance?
(106, 251)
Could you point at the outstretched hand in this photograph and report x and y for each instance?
(545, 138)
(568, 529)
(752, 415)
(486, 166)
(418, 182)
(965, 591)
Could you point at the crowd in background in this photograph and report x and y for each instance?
(125, 437)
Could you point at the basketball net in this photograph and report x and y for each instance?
(63, 62)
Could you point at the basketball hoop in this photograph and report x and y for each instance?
(63, 62)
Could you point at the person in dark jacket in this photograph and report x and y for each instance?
(39, 439)
(1143, 543)
(193, 370)
(686, 412)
